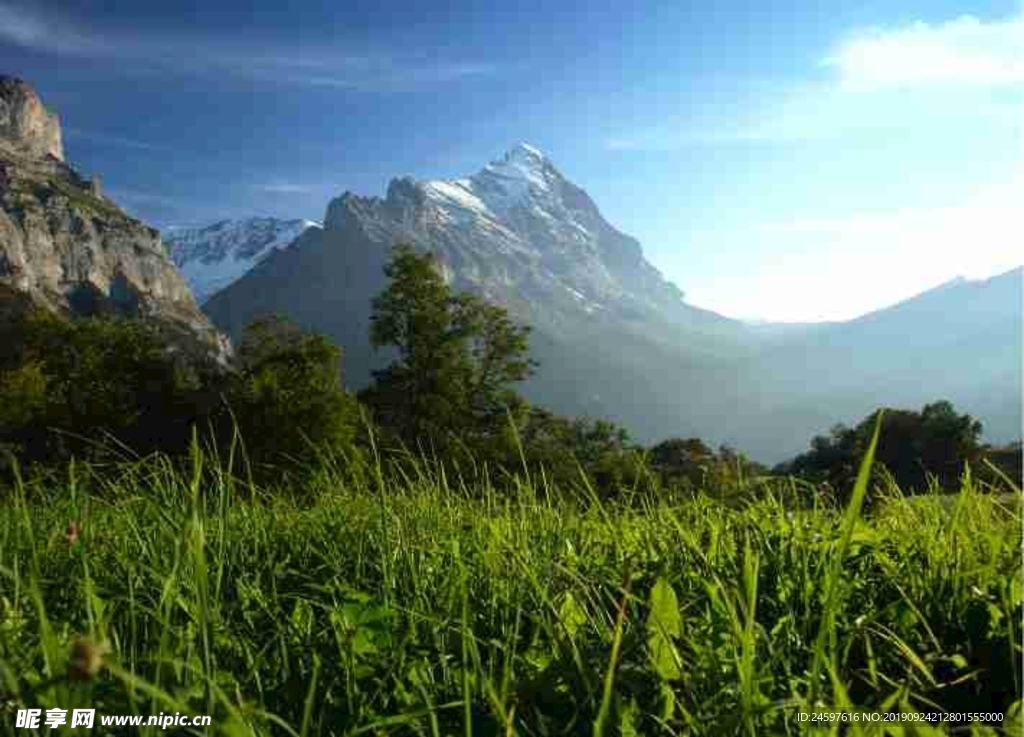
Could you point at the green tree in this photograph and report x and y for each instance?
(287, 400)
(457, 357)
(914, 448)
(684, 463)
(1006, 461)
(67, 385)
(564, 450)
(691, 465)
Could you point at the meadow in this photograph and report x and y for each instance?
(406, 603)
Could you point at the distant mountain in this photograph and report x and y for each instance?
(613, 336)
(960, 341)
(66, 246)
(213, 256)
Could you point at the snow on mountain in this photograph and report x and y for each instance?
(521, 234)
(522, 177)
(213, 256)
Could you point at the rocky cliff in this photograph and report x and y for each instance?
(69, 248)
(25, 121)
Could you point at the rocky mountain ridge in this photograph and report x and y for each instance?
(66, 246)
(521, 234)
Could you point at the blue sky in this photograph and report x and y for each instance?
(776, 160)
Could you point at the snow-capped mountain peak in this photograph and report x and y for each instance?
(518, 232)
(522, 175)
(525, 150)
(524, 170)
(213, 256)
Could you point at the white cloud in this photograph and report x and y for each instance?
(106, 139)
(964, 51)
(143, 50)
(964, 71)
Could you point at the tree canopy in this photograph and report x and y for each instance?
(67, 384)
(287, 399)
(458, 357)
(915, 448)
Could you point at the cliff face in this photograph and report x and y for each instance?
(69, 248)
(25, 121)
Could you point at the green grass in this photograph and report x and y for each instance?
(407, 606)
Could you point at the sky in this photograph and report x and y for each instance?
(778, 161)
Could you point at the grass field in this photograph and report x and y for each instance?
(406, 606)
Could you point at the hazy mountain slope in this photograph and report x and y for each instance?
(962, 330)
(961, 341)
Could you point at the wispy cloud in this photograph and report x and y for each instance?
(668, 138)
(975, 236)
(284, 188)
(964, 71)
(821, 113)
(105, 139)
(161, 209)
(30, 30)
(326, 66)
(152, 199)
(964, 51)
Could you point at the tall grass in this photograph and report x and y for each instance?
(410, 606)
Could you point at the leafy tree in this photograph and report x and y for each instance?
(457, 358)
(915, 448)
(66, 385)
(563, 448)
(682, 462)
(287, 400)
(1006, 460)
(691, 465)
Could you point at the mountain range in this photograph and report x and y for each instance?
(213, 256)
(614, 337)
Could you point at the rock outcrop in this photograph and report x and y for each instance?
(69, 248)
(25, 121)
